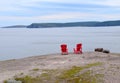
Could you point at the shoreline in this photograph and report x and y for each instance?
(113, 53)
(12, 67)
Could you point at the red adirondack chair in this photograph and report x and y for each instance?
(64, 50)
(78, 49)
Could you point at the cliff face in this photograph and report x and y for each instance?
(75, 24)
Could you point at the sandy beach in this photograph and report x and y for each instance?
(110, 67)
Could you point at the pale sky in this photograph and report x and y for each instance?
(25, 12)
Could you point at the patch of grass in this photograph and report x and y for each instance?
(86, 77)
(74, 70)
(35, 69)
(49, 70)
(73, 75)
(5, 81)
(93, 64)
(11, 81)
(89, 77)
(45, 76)
(71, 72)
(28, 79)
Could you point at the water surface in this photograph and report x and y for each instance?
(24, 42)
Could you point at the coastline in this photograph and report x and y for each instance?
(10, 68)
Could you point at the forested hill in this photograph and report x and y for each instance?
(68, 24)
(16, 26)
(75, 24)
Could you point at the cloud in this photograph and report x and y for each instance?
(13, 5)
(63, 17)
(29, 11)
(27, 3)
(96, 2)
(112, 3)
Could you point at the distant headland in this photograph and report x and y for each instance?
(69, 24)
(16, 26)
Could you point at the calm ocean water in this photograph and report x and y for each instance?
(24, 42)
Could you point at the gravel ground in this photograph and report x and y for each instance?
(110, 67)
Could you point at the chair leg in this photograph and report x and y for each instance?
(81, 51)
(75, 51)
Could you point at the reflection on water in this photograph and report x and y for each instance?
(19, 43)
